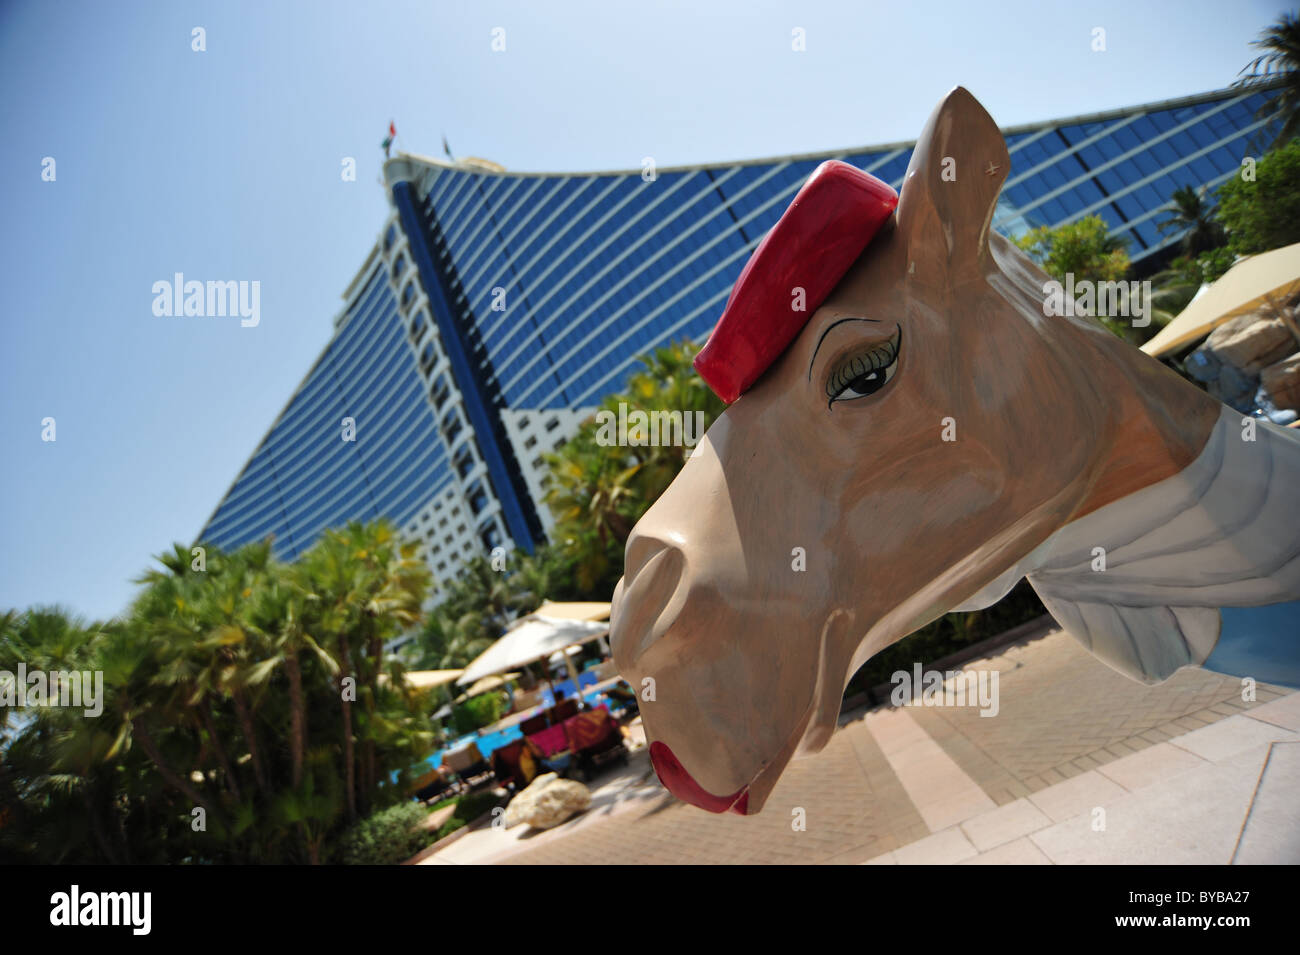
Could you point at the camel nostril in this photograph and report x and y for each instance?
(641, 548)
(654, 571)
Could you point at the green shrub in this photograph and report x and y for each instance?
(477, 712)
(468, 809)
(388, 837)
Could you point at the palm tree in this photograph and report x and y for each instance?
(594, 499)
(1280, 60)
(202, 676)
(1190, 214)
(363, 585)
(129, 665)
(598, 492)
(1173, 290)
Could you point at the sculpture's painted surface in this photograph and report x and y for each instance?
(1066, 439)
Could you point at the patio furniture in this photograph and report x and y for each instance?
(517, 764)
(551, 740)
(468, 764)
(534, 724)
(595, 739)
(431, 784)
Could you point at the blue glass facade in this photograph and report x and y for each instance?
(305, 477)
(500, 305)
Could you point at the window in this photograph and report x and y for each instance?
(417, 326)
(399, 267)
(440, 391)
(477, 497)
(390, 237)
(552, 424)
(530, 443)
(490, 535)
(451, 425)
(408, 295)
(427, 356)
(464, 461)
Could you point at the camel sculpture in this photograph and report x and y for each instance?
(916, 438)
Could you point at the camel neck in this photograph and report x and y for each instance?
(1140, 580)
(1158, 423)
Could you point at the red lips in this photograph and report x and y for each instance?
(679, 782)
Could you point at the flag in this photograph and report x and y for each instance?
(388, 140)
(445, 147)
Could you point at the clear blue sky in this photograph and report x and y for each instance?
(225, 165)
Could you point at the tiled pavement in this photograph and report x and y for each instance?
(1079, 765)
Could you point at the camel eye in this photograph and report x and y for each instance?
(864, 373)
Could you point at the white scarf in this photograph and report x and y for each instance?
(1223, 532)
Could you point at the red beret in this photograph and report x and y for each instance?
(828, 224)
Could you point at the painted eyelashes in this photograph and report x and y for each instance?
(864, 372)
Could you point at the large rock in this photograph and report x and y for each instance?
(1249, 343)
(547, 801)
(1282, 382)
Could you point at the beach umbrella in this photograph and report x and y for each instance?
(428, 679)
(529, 639)
(577, 610)
(486, 684)
(1254, 282)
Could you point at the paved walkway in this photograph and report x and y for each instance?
(1080, 765)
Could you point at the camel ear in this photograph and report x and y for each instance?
(950, 191)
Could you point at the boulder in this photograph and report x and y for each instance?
(1282, 382)
(546, 802)
(1249, 343)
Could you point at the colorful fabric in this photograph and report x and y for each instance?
(589, 729)
(550, 740)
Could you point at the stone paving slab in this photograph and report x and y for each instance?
(1271, 835)
(1149, 766)
(1020, 851)
(943, 848)
(1005, 824)
(1192, 818)
(1077, 796)
(941, 792)
(1284, 712)
(1234, 735)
